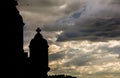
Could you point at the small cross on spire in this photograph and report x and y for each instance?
(38, 30)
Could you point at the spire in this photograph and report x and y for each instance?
(38, 30)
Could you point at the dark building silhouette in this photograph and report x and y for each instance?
(61, 76)
(14, 61)
(12, 40)
(39, 56)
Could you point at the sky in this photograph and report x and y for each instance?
(83, 35)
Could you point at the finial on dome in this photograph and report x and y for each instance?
(38, 30)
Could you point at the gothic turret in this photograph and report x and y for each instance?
(39, 55)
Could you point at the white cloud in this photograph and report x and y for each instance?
(87, 57)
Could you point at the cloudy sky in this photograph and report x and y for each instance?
(83, 35)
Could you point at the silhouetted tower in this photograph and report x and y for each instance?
(39, 56)
(12, 39)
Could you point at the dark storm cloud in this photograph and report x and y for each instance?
(88, 21)
(96, 22)
(101, 29)
(41, 3)
(115, 2)
(51, 6)
(73, 6)
(99, 24)
(46, 11)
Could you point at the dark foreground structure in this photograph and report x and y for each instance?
(60, 76)
(12, 40)
(38, 56)
(14, 62)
